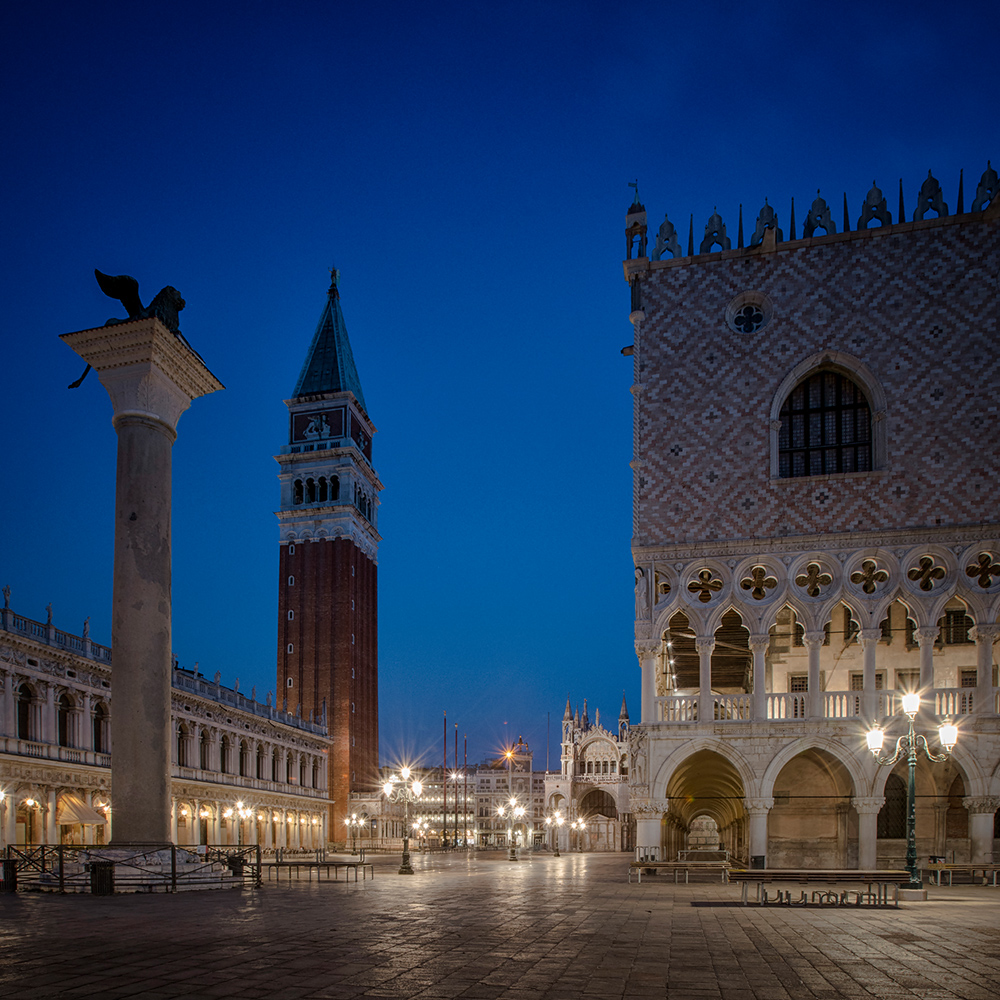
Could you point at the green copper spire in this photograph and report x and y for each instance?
(330, 364)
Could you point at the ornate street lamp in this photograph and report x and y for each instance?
(514, 811)
(245, 813)
(407, 787)
(420, 832)
(352, 823)
(947, 735)
(554, 821)
(579, 825)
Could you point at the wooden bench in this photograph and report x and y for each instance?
(276, 868)
(885, 881)
(950, 869)
(638, 867)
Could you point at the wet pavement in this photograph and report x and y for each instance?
(486, 928)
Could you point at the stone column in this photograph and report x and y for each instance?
(867, 809)
(88, 828)
(814, 645)
(151, 376)
(647, 652)
(10, 705)
(8, 804)
(87, 721)
(50, 730)
(757, 810)
(705, 644)
(867, 640)
(759, 644)
(648, 826)
(926, 636)
(173, 822)
(51, 828)
(981, 810)
(985, 636)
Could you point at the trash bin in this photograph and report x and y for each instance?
(102, 878)
(757, 860)
(9, 883)
(236, 867)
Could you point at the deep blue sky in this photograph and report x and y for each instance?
(466, 167)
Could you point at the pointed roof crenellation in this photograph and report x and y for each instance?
(329, 365)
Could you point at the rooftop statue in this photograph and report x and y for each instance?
(165, 305)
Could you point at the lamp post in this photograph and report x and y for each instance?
(555, 821)
(29, 815)
(245, 813)
(420, 832)
(907, 745)
(514, 811)
(352, 823)
(407, 787)
(579, 825)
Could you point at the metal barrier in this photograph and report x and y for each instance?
(105, 870)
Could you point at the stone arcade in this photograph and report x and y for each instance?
(815, 528)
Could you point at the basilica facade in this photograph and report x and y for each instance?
(815, 527)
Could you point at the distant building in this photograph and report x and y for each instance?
(243, 771)
(592, 784)
(816, 528)
(327, 565)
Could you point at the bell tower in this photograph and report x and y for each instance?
(327, 564)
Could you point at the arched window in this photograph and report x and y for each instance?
(24, 713)
(892, 816)
(297, 491)
(310, 491)
(260, 761)
(826, 427)
(100, 730)
(183, 735)
(322, 489)
(64, 720)
(244, 759)
(224, 755)
(206, 751)
(334, 488)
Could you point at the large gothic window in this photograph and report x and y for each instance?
(826, 427)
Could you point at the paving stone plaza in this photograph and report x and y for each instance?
(482, 927)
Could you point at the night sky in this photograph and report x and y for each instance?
(465, 166)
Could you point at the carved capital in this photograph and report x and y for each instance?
(926, 634)
(147, 370)
(988, 633)
(758, 806)
(982, 804)
(814, 640)
(643, 630)
(704, 643)
(759, 643)
(869, 636)
(868, 806)
(648, 808)
(647, 647)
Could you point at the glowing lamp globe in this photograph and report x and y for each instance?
(875, 737)
(948, 735)
(911, 703)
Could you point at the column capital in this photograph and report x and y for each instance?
(147, 370)
(989, 633)
(704, 643)
(926, 634)
(647, 647)
(868, 636)
(759, 643)
(649, 807)
(980, 804)
(813, 639)
(758, 806)
(867, 805)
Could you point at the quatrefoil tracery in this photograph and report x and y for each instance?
(758, 583)
(985, 569)
(926, 572)
(705, 586)
(869, 576)
(814, 579)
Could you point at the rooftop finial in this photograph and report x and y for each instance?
(334, 277)
(635, 184)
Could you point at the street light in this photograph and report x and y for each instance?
(948, 737)
(555, 820)
(420, 832)
(352, 823)
(245, 813)
(29, 807)
(407, 787)
(515, 811)
(579, 825)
